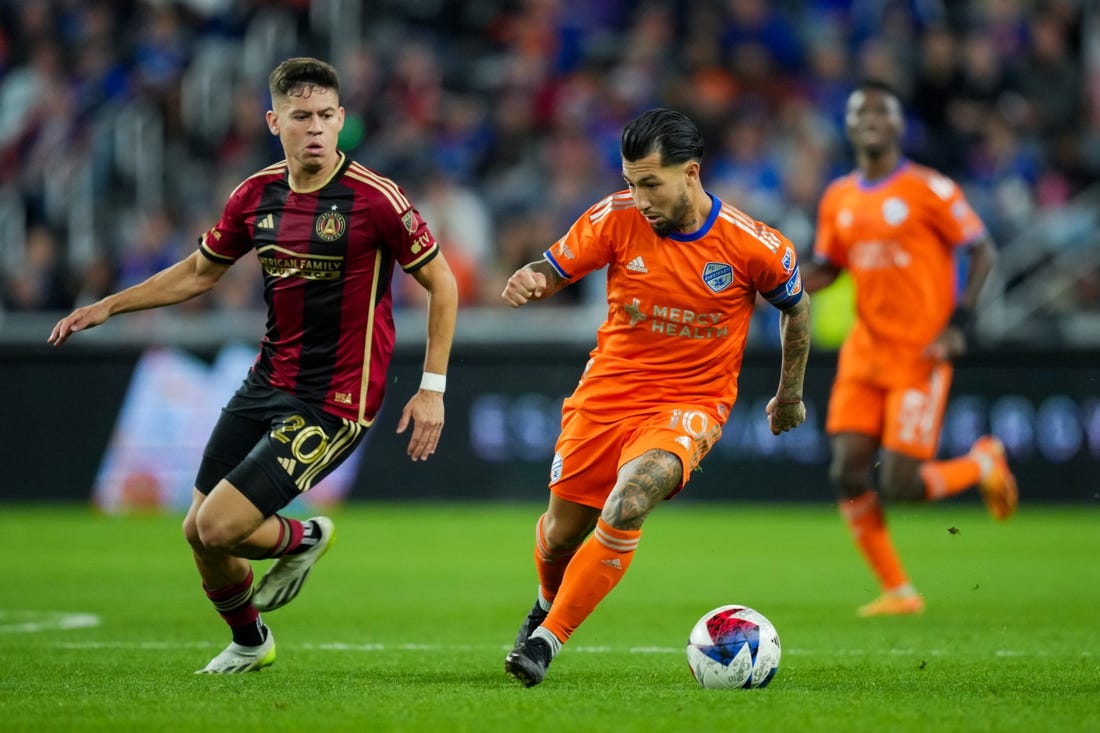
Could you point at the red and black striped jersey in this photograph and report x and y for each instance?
(327, 256)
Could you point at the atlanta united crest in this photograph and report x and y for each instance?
(717, 276)
(330, 225)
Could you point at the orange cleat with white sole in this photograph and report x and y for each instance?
(998, 485)
(893, 604)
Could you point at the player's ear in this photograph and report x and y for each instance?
(273, 122)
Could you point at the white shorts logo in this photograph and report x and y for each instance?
(555, 468)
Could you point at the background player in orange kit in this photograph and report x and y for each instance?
(684, 271)
(896, 227)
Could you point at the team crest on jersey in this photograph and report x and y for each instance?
(331, 225)
(409, 221)
(788, 259)
(717, 276)
(794, 284)
(894, 211)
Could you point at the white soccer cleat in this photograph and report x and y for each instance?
(282, 582)
(236, 658)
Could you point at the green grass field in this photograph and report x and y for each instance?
(405, 623)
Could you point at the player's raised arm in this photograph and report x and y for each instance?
(182, 281)
(534, 281)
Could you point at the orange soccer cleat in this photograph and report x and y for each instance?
(893, 604)
(998, 485)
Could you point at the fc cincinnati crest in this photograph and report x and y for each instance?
(894, 211)
(330, 225)
(717, 276)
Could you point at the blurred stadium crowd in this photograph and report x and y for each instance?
(124, 124)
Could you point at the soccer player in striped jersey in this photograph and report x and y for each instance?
(897, 228)
(683, 273)
(328, 233)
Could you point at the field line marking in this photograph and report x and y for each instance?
(414, 647)
(33, 622)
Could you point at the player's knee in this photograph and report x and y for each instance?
(217, 535)
(563, 536)
(846, 482)
(191, 531)
(901, 486)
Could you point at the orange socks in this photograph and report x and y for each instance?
(597, 567)
(947, 478)
(865, 518)
(549, 566)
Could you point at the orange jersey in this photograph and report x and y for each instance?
(678, 307)
(897, 237)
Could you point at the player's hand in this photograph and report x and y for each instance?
(784, 416)
(523, 286)
(425, 410)
(950, 344)
(80, 319)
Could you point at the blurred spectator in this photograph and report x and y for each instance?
(38, 282)
(982, 81)
(745, 170)
(461, 223)
(1002, 171)
(25, 94)
(936, 82)
(154, 243)
(1049, 79)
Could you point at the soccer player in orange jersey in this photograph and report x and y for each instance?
(897, 228)
(683, 273)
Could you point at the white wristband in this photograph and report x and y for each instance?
(434, 382)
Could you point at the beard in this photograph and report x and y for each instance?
(675, 220)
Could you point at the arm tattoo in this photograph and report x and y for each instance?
(794, 331)
(642, 484)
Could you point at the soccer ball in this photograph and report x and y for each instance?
(733, 646)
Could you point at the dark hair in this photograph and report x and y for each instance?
(662, 130)
(298, 75)
(877, 85)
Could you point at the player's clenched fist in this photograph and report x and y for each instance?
(524, 285)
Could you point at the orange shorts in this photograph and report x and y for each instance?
(589, 454)
(907, 418)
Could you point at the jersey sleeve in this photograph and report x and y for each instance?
(408, 237)
(229, 239)
(773, 266)
(826, 246)
(953, 218)
(584, 247)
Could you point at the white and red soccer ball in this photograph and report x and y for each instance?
(733, 647)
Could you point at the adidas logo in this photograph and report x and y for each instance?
(636, 265)
(289, 464)
(268, 222)
(613, 562)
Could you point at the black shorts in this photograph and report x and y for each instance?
(273, 446)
